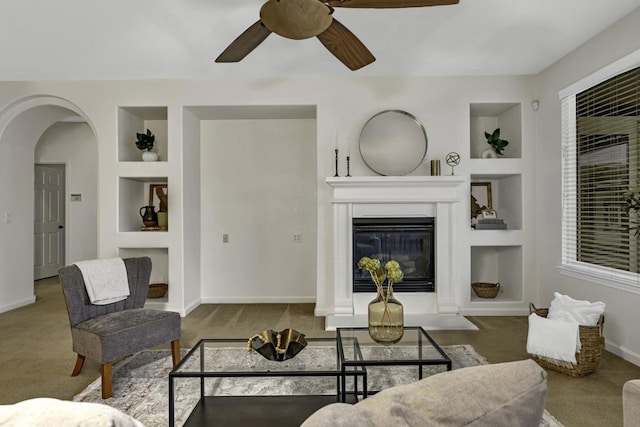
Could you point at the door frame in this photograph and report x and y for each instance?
(22, 123)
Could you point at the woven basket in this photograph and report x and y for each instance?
(486, 290)
(588, 359)
(157, 290)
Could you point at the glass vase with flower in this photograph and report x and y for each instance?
(385, 312)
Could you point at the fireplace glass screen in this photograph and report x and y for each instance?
(410, 241)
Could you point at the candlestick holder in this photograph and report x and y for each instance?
(348, 166)
(336, 150)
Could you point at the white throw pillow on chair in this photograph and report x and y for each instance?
(563, 307)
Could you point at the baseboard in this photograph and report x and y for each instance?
(188, 309)
(494, 311)
(17, 304)
(258, 300)
(626, 354)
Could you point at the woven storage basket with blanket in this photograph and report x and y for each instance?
(588, 359)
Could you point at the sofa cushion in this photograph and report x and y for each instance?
(631, 403)
(488, 395)
(47, 412)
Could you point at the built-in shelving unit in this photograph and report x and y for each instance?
(135, 177)
(497, 256)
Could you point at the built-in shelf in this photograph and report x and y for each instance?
(134, 194)
(486, 117)
(159, 265)
(132, 120)
(506, 196)
(498, 264)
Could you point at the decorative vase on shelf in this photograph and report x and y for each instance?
(489, 153)
(386, 317)
(149, 156)
(149, 216)
(144, 142)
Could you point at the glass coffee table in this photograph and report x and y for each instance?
(395, 362)
(220, 383)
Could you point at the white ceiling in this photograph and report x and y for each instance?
(136, 39)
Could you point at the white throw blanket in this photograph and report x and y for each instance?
(105, 279)
(556, 340)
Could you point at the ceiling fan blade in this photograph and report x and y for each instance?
(345, 46)
(388, 4)
(245, 43)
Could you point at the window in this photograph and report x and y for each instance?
(601, 165)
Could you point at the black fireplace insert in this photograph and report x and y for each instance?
(410, 241)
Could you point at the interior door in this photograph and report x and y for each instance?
(49, 220)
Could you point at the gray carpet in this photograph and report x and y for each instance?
(140, 384)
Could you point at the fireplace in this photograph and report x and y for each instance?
(374, 197)
(410, 241)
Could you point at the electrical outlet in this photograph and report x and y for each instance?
(296, 238)
(225, 238)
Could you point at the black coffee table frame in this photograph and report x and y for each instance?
(355, 337)
(221, 406)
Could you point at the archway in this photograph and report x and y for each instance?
(22, 124)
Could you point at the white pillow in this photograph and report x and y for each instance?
(45, 412)
(565, 308)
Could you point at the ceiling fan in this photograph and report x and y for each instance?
(302, 19)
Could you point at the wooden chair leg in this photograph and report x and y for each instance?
(79, 365)
(106, 380)
(175, 352)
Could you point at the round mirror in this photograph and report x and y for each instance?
(393, 142)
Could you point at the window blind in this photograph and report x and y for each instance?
(601, 164)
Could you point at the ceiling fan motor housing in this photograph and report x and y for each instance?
(296, 19)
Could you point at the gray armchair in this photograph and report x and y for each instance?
(108, 333)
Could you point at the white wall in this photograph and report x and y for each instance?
(74, 145)
(622, 313)
(259, 187)
(342, 106)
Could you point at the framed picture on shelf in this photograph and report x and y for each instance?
(158, 197)
(158, 194)
(480, 198)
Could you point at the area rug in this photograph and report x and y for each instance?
(140, 382)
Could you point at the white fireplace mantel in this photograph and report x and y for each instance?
(403, 196)
(396, 189)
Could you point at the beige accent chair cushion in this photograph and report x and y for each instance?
(488, 395)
